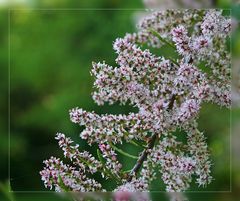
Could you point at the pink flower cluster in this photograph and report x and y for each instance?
(206, 45)
(168, 93)
(178, 167)
(112, 163)
(63, 177)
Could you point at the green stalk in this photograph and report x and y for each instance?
(123, 152)
(137, 144)
(155, 33)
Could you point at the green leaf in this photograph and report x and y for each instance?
(123, 152)
(155, 33)
(100, 157)
(62, 185)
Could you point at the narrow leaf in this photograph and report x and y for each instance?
(123, 152)
(136, 144)
(155, 33)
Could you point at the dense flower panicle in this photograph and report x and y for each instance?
(191, 82)
(66, 178)
(132, 80)
(176, 168)
(168, 93)
(181, 39)
(206, 44)
(103, 128)
(84, 159)
(163, 22)
(188, 110)
(109, 154)
(199, 151)
(201, 44)
(215, 24)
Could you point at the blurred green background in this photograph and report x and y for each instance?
(51, 52)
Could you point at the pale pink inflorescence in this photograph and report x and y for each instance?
(66, 178)
(109, 154)
(168, 93)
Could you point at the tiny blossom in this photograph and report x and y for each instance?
(167, 93)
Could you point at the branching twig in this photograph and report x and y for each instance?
(142, 158)
(150, 145)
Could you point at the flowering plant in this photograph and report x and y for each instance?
(168, 93)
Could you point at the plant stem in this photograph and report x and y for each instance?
(142, 158)
(147, 150)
